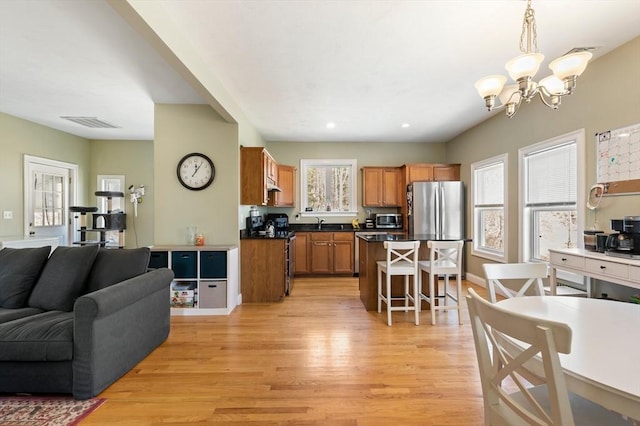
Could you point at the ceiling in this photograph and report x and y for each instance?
(290, 66)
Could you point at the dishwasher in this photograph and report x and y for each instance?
(356, 248)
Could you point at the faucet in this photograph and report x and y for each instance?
(320, 222)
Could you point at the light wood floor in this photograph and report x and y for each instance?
(318, 358)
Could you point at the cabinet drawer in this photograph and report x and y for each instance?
(343, 236)
(159, 259)
(562, 259)
(183, 264)
(321, 236)
(603, 267)
(634, 274)
(213, 264)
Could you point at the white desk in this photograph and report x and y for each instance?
(591, 264)
(603, 364)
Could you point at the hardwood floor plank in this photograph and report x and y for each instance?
(318, 358)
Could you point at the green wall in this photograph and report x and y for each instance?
(367, 154)
(607, 97)
(19, 137)
(180, 130)
(134, 160)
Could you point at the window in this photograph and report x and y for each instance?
(328, 187)
(551, 189)
(488, 180)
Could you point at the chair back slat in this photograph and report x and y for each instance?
(526, 276)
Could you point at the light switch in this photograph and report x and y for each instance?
(7, 214)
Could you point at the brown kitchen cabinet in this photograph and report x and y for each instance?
(420, 172)
(266, 269)
(286, 182)
(303, 253)
(331, 252)
(257, 170)
(381, 187)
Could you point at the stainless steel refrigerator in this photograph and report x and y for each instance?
(436, 208)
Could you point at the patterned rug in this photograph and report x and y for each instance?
(55, 411)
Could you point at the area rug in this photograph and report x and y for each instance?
(56, 411)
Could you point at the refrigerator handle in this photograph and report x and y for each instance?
(443, 209)
(438, 210)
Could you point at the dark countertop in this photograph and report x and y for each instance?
(244, 235)
(411, 237)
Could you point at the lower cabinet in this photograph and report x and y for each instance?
(205, 278)
(266, 268)
(326, 253)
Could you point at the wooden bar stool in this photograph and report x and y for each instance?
(402, 259)
(445, 258)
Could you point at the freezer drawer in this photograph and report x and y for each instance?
(213, 294)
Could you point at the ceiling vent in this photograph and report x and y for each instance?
(91, 122)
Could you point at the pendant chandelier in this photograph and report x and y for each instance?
(523, 68)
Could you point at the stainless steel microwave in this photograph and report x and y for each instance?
(389, 221)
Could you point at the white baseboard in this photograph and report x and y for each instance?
(476, 280)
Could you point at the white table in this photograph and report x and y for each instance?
(604, 363)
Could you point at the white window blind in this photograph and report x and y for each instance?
(490, 185)
(551, 175)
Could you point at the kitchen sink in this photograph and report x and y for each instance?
(328, 227)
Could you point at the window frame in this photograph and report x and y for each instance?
(476, 248)
(304, 202)
(525, 214)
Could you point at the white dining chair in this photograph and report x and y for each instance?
(445, 258)
(548, 402)
(402, 259)
(515, 279)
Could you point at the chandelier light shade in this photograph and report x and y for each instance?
(566, 69)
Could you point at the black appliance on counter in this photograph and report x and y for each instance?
(280, 222)
(255, 224)
(626, 242)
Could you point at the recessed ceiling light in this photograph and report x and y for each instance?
(331, 125)
(405, 125)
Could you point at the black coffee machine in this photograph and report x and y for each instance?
(280, 223)
(255, 224)
(625, 242)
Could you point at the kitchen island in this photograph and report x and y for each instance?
(371, 248)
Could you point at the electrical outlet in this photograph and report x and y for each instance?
(7, 214)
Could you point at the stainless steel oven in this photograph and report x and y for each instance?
(289, 267)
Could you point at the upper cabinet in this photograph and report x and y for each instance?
(256, 171)
(430, 172)
(382, 187)
(286, 182)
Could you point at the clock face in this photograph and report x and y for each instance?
(196, 171)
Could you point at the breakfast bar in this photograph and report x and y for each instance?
(371, 249)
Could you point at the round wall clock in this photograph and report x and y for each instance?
(196, 171)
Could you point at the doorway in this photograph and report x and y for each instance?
(50, 187)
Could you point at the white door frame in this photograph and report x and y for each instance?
(72, 191)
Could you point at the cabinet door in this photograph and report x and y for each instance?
(321, 252)
(253, 176)
(343, 253)
(286, 198)
(391, 184)
(302, 254)
(371, 186)
(446, 172)
(419, 172)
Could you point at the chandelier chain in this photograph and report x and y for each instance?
(529, 35)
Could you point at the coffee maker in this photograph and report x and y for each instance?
(625, 242)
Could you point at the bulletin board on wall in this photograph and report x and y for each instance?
(618, 160)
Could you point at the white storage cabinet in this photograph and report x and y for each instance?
(206, 278)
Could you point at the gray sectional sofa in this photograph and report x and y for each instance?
(76, 319)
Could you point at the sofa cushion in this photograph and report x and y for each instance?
(7, 315)
(44, 337)
(19, 271)
(115, 265)
(63, 278)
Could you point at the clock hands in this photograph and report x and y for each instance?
(197, 168)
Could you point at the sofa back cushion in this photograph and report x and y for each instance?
(19, 271)
(115, 265)
(63, 278)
